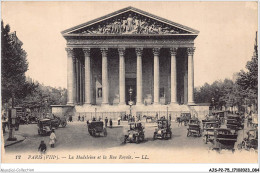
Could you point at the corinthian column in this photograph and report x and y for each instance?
(139, 76)
(121, 52)
(156, 74)
(190, 75)
(104, 76)
(87, 76)
(70, 76)
(173, 52)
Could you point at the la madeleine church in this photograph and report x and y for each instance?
(130, 57)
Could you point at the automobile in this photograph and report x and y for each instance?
(184, 117)
(57, 121)
(209, 131)
(235, 122)
(224, 139)
(163, 130)
(212, 119)
(194, 128)
(95, 128)
(135, 133)
(44, 127)
(251, 141)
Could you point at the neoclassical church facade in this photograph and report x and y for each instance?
(130, 57)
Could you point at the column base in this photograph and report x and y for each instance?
(191, 103)
(139, 104)
(70, 104)
(87, 104)
(104, 104)
(173, 103)
(122, 104)
(156, 103)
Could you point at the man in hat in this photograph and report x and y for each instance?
(52, 138)
(42, 148)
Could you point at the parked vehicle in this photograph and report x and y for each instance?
(163, 130)
(251, 141)
(235, 122)
(57, 121)
(212, 119)
(209, 131)
(224, 139)
(194, 128)
(44, 127)
(135, 133)
(95, 128)
(220, 115)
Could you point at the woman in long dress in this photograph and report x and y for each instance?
(52, 138)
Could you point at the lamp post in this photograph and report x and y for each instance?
(167, 113)
(130, 102)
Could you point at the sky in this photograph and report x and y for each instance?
(224, 45)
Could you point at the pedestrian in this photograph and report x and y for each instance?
(118, 121)
(82, 118)
(52, 138)
(106, 121)
(70, 118)
(79, 118)
(110, 123)
(42, 148)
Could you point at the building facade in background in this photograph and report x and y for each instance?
(130, 55)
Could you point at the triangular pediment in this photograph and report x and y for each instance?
(130, 21)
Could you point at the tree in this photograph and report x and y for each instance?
(13, 67)
(248, 80)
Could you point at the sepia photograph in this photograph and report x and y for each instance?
(129, 82)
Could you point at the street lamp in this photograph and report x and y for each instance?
(130, 102)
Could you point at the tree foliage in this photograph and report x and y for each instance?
(13, 67)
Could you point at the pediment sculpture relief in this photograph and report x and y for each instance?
(131, 25)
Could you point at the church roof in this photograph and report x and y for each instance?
(120, 23)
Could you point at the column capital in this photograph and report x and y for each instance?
(69, 51)
(121, 51)
(173, 51)
(190, 51)
(104, 51)
(156, 51)
(139, 51)
(86, 52)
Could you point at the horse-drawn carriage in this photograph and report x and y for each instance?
(95, 128)
(184, 117)
(194, 128)
(224, 139)
(164, 130)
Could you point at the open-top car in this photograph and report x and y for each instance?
(163, 130)
(44, 127)
(135, 133)
(95, 128)
(209, 131)
(194, 128)
(251, 141)
(224, 139)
